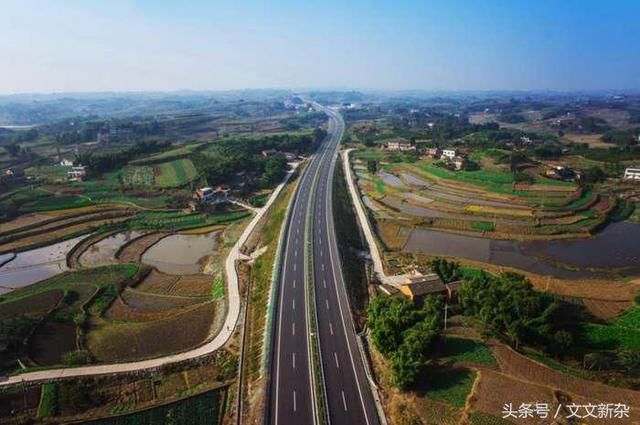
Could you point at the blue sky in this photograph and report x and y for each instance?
(114, 45)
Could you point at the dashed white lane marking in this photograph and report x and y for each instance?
(335, 356)
(321, 253)
(296, 253)
(293, 304)
(294, 400)
(322, 266)
(327, 302)
(294, 360)
(344, 401)
(294, 284)
(330, 328)
(293, 328)
(324, 283)
(294, 267)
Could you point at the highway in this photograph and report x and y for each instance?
(291, 397)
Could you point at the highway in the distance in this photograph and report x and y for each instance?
(291, 396)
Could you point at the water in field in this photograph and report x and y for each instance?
(32, 266)
(613, 250)
(104, 251)
(390, 179)
(181, 254)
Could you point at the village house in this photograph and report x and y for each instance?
(210, 195)
(77, 173)
(433, 153)
(418, 286)
(449, 154)
(559, 172)
(290, 157)
(400, 145)
(66, 163)
(632, 174)
(269, 152)
(459, 163)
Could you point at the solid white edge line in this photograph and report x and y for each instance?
(335, 281)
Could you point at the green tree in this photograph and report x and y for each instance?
(629, 359)
(372, 166)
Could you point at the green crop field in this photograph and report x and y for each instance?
(203, 409)
(177, 153)
(496, 181)
(468, 351)
(450, 385)
(217, 290)
(183, 221)
(175, 173)
(137, 176)
(483, 226)
(623, 332)
(380, 186)
(52, 172)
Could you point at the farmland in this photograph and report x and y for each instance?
(528, 192)
(204, 409)
(488, 202)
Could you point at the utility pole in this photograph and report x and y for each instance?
(446, 308)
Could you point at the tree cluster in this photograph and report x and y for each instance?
(405, 334)
(223, 159)
(103, 162)
(507, 307)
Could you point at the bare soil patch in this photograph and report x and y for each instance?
(606, 309)
(36, 305)
(520, 367)
(144, 302)
(51, 341)
(593, 140)
(23, 220)
(198, 285)
(127, 342)
(132, 251)
(494, 389)
(157, 282)
(119, 311)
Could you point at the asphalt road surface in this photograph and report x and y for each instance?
(291, 394)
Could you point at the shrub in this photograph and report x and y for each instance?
(78, 357)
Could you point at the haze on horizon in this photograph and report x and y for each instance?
(143, 45)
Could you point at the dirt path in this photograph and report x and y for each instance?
(218, 341)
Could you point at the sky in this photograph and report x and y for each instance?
(154, 45)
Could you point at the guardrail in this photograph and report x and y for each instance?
(322, 413)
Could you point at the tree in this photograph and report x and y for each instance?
(404, 334)
(593, 175)
(274, 170)
(388, 318)
(448, 271)
(13, 149)
(562, 342)
(372, 166)
(629, 359)
(595, 361)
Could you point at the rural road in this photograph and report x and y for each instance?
(363, 221)
(233, 312)
(292, 398)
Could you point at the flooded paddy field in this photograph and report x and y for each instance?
(181, 254)
(612, 251)
(104, 251)
(32, 266)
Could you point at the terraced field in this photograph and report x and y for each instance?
(489, 202)
(175, 173)
(170, 174)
